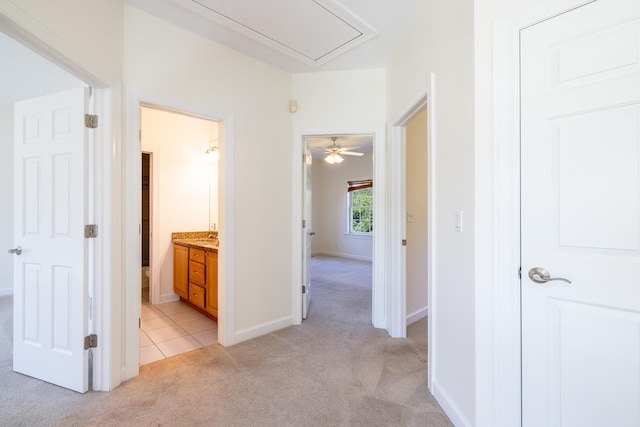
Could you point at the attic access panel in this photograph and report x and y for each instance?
(311, 31)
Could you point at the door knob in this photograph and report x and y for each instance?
(312, 234)
(540, 275)
(17, 250)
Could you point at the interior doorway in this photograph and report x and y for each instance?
(338, 209)
(416, 223)
(179, 171)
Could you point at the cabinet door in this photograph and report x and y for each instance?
(196, 295)
(181, 270)
(212, 283)
(196, 273)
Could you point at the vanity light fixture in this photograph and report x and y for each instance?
(213, 147)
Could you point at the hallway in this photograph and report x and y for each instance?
(333, 370)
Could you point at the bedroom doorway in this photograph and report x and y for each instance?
(338, 196)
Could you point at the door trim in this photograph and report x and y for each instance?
(397, 171)
(132, 163)
(379, 289)
(504, 350)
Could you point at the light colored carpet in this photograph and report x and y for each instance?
(334, 370)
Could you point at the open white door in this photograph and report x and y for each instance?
(307, 228)
(50, 318)
(580, 147)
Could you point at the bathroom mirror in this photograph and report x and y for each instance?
(214, 153)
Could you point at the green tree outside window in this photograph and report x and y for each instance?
(361, 211)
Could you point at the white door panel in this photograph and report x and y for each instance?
(307, 232)
(580, 149)
(50, 285)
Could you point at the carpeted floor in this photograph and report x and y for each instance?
(333, 370)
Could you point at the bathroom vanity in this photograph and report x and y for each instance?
(195, 270)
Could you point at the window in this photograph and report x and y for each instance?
(361, 211)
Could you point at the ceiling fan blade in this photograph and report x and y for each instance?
(350, 148)
(351, 153)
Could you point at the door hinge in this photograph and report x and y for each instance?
(519, 272)
(90, 341)
(304, 223)
(91, 121)
(404, 242)
(91, 231)
(304, 289)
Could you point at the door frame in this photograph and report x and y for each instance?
(507, 400)
(135, 97)
(22, 27)
(379, 286)
(398, 267)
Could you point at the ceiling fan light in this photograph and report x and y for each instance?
(333, 158)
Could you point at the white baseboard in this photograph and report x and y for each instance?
(417, 315)
(262, 329)
(168, 298)
(342, 255)
(6, 292)
(449, 407)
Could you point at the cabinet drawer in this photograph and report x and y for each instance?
(196, 295)
(196, 255)
(196, 273)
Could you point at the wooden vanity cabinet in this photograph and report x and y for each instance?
(181, 270)
(195, 277)
(212, 283)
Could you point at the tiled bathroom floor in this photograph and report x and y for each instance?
(173, 328)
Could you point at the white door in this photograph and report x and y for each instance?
(580, 148)
(50, 279)
(307, 232)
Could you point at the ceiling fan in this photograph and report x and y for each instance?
(335, 152)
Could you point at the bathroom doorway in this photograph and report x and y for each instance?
(179, 193)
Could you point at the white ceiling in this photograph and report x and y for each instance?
(296, 35)
(325, 35)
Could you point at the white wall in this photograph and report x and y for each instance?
(339, 98)
(180, 184)
(441, 42)
(177, 64)
(6, 201)
(330, 215)
(416, 204)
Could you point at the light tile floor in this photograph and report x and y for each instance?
(172, 328)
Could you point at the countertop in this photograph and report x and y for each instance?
(197, 239)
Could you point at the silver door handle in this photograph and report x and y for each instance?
(17, 250)
(312, 234)
(540, 275)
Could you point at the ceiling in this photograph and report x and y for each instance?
(296, 35)
(319, 143)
